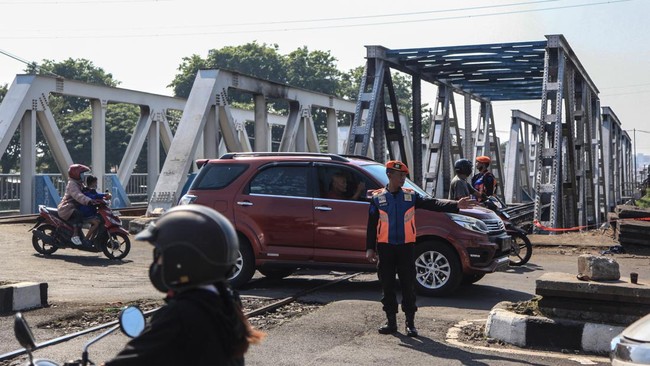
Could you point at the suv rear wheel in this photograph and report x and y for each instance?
(245, 265)
(437, 269)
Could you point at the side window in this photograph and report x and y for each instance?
(216, 176)
(281, 181)
(342, 183)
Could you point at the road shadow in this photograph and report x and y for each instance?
(85, 260)
(474, 297)
(440, 350)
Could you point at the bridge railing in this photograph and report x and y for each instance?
(10, 192)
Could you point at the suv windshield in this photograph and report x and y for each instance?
(379, 172)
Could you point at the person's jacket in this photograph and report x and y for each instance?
(391, 216)
(190, 330)
(72, 199)
(89, 210)
(483, 183)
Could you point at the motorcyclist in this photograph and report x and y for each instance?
(90, 212)
(68, 208)
(195, 250)
(483, 181)
(459, 186)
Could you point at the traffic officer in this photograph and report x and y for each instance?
(391, 238)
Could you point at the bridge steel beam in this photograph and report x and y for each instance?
(208, 114)
(520, 158)
(617, 165)
(565, 180)
(27, 102)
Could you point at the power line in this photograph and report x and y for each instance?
(58, 2)
(328, 26)
(28, 63)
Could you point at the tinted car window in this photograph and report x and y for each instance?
(379, 172)
(216, 176)
(281, 181)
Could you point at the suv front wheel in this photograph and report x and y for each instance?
(245, 265)
(437, 269)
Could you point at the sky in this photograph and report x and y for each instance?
(142, 42)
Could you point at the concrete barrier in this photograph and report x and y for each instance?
(22, 296)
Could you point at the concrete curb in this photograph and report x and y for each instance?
(537, 331)
(22, 296)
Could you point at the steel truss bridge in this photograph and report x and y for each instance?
(573, 161)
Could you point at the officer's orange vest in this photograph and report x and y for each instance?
(396, 216)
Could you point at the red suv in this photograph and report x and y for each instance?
(279, 206)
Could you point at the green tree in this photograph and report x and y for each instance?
(314, 70)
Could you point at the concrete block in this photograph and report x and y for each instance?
(22, 296)
(598, 268)
(597, 337)
(506, 326)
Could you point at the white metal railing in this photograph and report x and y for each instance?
(136, 189)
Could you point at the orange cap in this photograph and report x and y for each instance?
(483, 159)
(397, 165)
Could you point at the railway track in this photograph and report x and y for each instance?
(260, 311)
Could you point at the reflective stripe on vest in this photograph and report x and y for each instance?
(396, 223)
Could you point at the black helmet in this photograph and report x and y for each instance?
(198, 246)
(463, 166)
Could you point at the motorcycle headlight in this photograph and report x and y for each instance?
(469, 223)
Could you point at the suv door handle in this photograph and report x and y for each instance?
(323, 208)
(244, 203)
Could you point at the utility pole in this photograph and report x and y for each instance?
(636, 180)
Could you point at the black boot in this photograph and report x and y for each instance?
(391, 324)
(411, 331)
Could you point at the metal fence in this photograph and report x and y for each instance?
(136, 189)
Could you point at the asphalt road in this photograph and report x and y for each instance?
(341, 332)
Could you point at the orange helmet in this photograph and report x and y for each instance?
(483, 159)
(397, 165)
(75, 171)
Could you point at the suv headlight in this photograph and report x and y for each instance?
(469, 223)
(187, 199)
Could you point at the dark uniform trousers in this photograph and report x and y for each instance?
(397, 259)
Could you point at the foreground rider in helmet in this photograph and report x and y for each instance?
(195, 249)
(68, 208)
(483, 181)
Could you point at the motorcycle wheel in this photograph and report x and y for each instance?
(521, 249)
(117, 246)
(41, 246)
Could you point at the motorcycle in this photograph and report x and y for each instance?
(521, 249)
(51, 233)
(131, 322)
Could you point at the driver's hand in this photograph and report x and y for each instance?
(96, 202)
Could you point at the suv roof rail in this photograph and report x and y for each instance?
(362, 157)
(334, 157)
